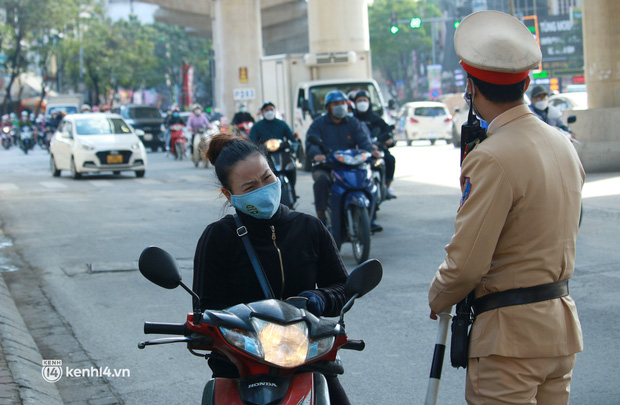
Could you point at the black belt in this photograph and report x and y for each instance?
(520, 296)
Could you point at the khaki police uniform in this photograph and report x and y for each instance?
(516, 227)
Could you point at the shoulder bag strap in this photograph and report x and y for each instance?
(242, 232)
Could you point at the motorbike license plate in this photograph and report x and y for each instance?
(112, 159)
(148, 137)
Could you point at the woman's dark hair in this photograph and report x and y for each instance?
(499, 93)
(225, 151)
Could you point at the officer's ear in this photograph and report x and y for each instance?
(527, 84)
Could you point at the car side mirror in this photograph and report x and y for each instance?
(139, 132)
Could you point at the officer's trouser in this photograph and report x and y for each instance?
(505, 380)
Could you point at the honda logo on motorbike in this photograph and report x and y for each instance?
(263, 384)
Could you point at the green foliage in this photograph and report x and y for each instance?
(393, 54)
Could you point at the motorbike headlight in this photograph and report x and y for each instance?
(320, 346)
(6, 130)
(273, 145)
(87, 147)
(352, 160)
(162, 128)
(243, 340)
(283, 345)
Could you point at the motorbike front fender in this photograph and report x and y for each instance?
(306, 388)
(356, 198)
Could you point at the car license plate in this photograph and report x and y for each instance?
(112, 159)
(148, 137)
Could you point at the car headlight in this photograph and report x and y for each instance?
(135, 145)
(87, 147)
(273, 145)
(285, 346)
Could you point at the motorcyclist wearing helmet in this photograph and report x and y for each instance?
(380, 130)
(85, 108)
(195, 122)
(24, 122)
(270, 127)
(541, 108)
(242, 115)
(337, 131)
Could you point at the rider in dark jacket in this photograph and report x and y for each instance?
(382, 131)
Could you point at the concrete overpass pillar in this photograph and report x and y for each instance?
(335, 26)
(597, 127)
(601, 31)
(238, 46)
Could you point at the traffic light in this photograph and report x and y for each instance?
(456, 24)
(394, 24)
(416, 22)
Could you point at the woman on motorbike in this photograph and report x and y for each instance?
(296, 251)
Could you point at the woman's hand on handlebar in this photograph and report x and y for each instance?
(319, 158)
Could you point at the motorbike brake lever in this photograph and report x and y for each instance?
(164, 341)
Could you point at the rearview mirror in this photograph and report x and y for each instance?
(139, 132)
(572, 119)
(364, 278)
(159, 267)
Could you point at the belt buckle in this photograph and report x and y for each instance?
(242, 231)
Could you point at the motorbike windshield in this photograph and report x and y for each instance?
(101, 126)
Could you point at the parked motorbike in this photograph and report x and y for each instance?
(26, 138)
(353, 197)
(177, 141)
(6, 134)
(280, 349)
(280, 154)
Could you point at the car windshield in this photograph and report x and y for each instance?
(101, 126)
(318, 93)
(143, 112)
(429, 111)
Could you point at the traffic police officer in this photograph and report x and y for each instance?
(515, 230)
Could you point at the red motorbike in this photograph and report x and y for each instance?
(281, 350)
(177, 141)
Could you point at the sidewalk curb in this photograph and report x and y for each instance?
(22, 355)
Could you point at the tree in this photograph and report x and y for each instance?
(399, 56)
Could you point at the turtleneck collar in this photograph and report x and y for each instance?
(278, 217)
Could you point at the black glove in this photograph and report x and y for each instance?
(315, 303)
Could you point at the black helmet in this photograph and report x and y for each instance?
(538, 90)
(267, 104)
(362, 93)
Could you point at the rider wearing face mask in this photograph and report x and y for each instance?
(379, 128)
(541, 108)
(242, 115)
(296, 251)
(270, 127)
(337, 131)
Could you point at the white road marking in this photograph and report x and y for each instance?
(8, 187)
(52, 184)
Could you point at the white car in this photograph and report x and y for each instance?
(92, 143)
(424, 120)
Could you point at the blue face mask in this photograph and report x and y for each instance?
(261, 203)
(175, 114)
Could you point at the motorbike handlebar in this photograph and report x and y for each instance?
(352, 344)
(165, 328)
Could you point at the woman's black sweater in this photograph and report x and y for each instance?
(224, 276)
